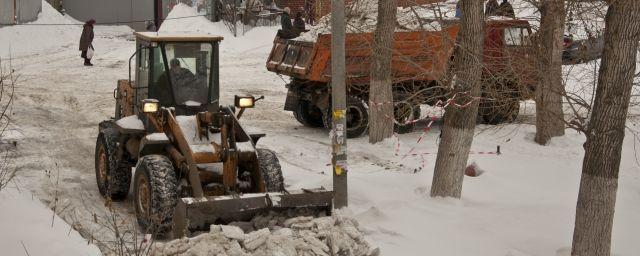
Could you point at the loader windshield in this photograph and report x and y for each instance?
(189, 72)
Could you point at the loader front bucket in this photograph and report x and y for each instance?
(200, 213)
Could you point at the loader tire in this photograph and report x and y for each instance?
(112, 175)
(271, 170)
(155, 194)
(497, 112)
(357, 117)
(308, 114)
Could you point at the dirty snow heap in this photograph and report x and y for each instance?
(275, 234)
(361, 17)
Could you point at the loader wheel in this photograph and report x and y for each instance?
(307, 114)
(404, 112)
(113, 176)
(271, 170)
(357, 117)
(155, 194)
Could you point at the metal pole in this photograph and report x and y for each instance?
(338, 109)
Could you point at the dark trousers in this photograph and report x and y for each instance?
(84, 56)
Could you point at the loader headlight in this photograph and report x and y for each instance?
(244, 101)
(149, 106)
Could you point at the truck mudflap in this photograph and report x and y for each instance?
(199, 213)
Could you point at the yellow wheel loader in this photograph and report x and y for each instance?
(195, 165)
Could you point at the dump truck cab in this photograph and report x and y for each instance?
(195, 164)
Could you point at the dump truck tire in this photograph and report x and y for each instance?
(271, 170)
(113, 176)
(357, 117)
(307, 114)
(493, 112)
(404, 112)
(155, 194)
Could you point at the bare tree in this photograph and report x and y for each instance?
(605, 131)
(8, 79)
(380, 93)
(459, 124)
(549, 114)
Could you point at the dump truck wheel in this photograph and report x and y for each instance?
(404, 112)
(155, 194)
(357, 117)
(496, 112)
(307, 114)
(271, 170)
(112, 176)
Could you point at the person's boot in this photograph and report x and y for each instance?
(87, 62)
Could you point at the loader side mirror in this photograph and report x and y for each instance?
(244, 101)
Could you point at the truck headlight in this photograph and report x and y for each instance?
(149, 106)
(244, 101)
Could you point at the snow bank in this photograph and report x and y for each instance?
(362, 16)
(181, 19)
(27, 228)
(275, 234)
(32, 37)
(51, 32)
(185, 19)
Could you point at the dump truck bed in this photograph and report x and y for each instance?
(417, 55)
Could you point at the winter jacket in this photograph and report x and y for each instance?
(285, 20)
(87, 37)
(506, 9)
(491, 8)
(298, 24)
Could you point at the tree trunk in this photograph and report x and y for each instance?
(460, 122)
(549, 116)
(605, 131)
(380, 93)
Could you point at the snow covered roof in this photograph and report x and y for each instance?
(177, 37)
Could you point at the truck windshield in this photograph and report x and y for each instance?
(189, 71)
(517, 36)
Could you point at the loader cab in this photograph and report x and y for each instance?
(177, 70)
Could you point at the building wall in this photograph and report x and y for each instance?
(24, 11)
(111, 11)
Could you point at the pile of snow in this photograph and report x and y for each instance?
(30, 228)
(275, 234)
(361, 17)
(52, 32)
(23, 39)
(183, 18)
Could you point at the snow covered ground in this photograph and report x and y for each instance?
(523, 204)
(38, 231)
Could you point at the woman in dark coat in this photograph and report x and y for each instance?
(85, 41)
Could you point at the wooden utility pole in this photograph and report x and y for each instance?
(338, 108)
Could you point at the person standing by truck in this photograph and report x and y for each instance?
(491, 8)
(506, 9)
(287, 28)
(298, 24)
(86, 40)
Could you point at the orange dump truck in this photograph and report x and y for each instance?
(421, 65)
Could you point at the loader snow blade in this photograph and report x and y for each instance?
(199, 213)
